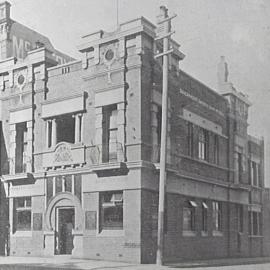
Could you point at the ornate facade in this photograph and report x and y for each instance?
(80, 154)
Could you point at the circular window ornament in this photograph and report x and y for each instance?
(109, 55)
(21, 80)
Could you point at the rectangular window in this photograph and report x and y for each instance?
(65, 128)
(21, 148)
(255, 223)
(203, 144)
(204, 217)
(216, 149)
(190, 139)
(260, 180)
(22, 218)
(217, 216)
(250, 172)
(109, 134)
(240, 166)
(240, 217)
(189, 216)
(255, 174)
(111, 210)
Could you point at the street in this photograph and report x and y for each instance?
(63, 262)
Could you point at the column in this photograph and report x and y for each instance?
(12, 149)
(49, 133)
(54, 132)
(121, 131)
(54, 184)
(82, 127)
(11, 200)
(98, 137)
(29, 150)
(77, 128)
(154, 125)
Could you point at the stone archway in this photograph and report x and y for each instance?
(63, 199)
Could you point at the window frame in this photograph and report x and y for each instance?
(217, 216)
(257, 229)
(190, 225)
(110, 204)
(203, 144)
(190, 138)
(205, 217)
(216, 149)
(18, 227)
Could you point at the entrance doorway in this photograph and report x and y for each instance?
(64, 224)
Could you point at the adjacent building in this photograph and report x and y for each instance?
(80, 153)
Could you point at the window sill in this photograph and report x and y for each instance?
(22, 234)
(255, 236)
(204, 233)
(189, 233)
(217, 233)
(111, 233)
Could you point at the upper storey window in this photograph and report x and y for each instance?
(109, 134)
(21, 147)
(203, 144)
(64, 128)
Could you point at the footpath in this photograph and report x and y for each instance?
(64, 262)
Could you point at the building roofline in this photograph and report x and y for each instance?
(204, 85)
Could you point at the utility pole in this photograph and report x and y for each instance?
(164, 33)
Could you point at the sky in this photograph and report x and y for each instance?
(206, 29)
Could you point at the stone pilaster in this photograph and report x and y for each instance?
(121, 122)
(54, 132)
(12, 149)
(98, 137)
(29, 150)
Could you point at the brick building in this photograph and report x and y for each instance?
(80, 153)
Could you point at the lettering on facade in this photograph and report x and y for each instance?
(21, 47)
(132, 245)
(196, 99)
(63, 154)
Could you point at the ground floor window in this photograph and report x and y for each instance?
(22, 214)
(111, 210)
(189, 216)
(255, 223)
(217, 216)
(204, 217)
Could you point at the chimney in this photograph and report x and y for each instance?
(5, 10)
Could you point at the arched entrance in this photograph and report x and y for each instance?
(63, 216)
